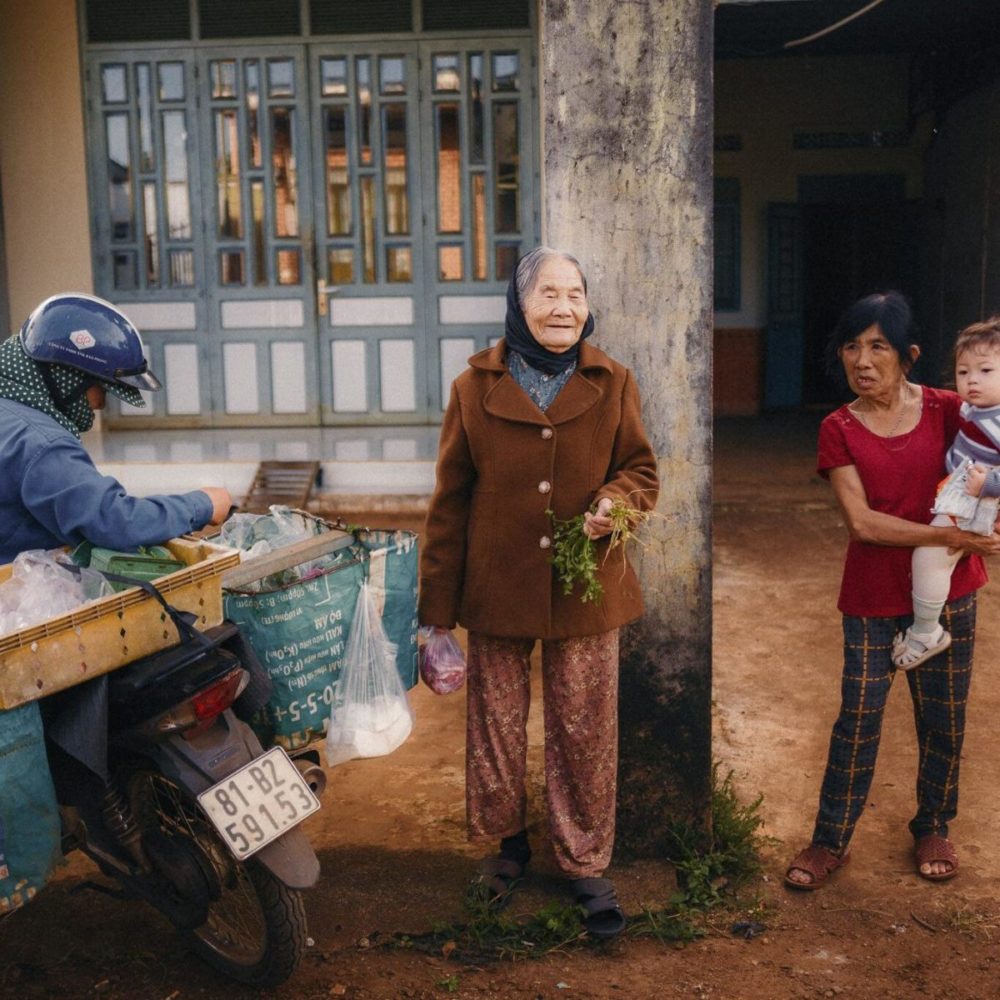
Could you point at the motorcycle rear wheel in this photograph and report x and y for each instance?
(255, 931)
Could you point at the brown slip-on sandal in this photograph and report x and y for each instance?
(933, 847)
(817, 861)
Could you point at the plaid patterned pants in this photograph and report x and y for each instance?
(580, 698)
(939, 688)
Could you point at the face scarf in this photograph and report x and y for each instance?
(21, 379)
(519, 338)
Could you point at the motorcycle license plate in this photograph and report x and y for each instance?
(259, 802)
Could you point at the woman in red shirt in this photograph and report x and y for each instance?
(884, 456)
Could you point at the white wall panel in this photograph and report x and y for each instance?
(270, 314)
(239, 362)
(161, 315)
(454, 354)
(181, 378)
(386, 311)
(288, 376)
(472, 308)
(350, 381)
(397, 369)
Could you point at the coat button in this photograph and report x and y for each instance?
(544, 542)
(546, 433)
(544, 487)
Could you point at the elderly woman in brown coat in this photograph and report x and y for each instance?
(541, 424)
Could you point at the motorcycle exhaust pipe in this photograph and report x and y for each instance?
(314, 775)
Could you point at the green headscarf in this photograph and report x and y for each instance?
(21, 379)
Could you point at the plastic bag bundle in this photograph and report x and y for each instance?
(372, 717)
(41, 586)
(261, 534)
(977, 514)
(442, 663)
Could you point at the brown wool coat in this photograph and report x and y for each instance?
(502, 462)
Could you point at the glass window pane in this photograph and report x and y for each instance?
(506, 168)
(114, 84)
(392, 75)
(341, 265)
(251, 71)
(281, 78)
(449, 263)
(283, 173)
(119, 177)
(171, 76)
(125, 274)
(446, 77)
(479, 262)
(147, 155)
(181, 268)
(397, 204)
(338, 178)
(363, 68)
(333, 76)
(152, 243)
(289, 268)
(399, 264)
(475, 99)
(368, 230)
(223, 72)
(449, 169)
(227, 174)
(231, 267)
(176, 176)
(257, 214)
(505, 65)
(507, 254)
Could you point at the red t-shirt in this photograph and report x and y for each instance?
(900, 475)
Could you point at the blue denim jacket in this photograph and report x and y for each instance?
(51, 494)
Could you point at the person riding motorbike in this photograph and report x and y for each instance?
(54, 374)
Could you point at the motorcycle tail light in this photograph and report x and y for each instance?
(207, 705)
(196, 714)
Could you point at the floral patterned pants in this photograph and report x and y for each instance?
(580, 696)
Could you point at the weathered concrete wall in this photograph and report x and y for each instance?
(626, 100)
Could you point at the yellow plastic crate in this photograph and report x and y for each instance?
(106, 634)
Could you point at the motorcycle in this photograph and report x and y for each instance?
(190, 812)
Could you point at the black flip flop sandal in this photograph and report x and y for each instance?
(604, 918)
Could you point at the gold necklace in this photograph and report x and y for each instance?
(902, 412)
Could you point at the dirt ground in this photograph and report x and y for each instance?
(394, 857)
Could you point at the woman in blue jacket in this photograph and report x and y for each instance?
(54, 374)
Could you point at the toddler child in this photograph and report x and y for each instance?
(975, 451)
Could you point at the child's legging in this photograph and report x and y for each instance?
(932, 569)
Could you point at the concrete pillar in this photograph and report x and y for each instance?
(626, 100)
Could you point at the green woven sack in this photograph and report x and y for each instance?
(29, 816)
(299, 630)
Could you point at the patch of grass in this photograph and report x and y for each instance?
(974, 921)
(718, 863)
(712, 869)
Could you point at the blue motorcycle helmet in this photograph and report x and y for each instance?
(91, 335)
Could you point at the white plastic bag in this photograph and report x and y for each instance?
(978, 514)
(41, 587)
(372, 717)
(442, 664)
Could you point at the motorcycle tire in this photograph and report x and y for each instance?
(255, 926)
